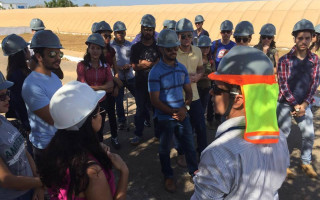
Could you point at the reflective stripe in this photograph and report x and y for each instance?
(260, 137)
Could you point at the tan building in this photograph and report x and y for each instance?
(282, 13)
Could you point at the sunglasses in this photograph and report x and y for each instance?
(107, 36)
(303, 38)
(147, 29)
(197, 23)
(101, 110)
(184, 36)
(239, 39)
(4, 96)
(266, 37)
(218, 91)
(120, 32)
(171, 49)
(53, 54)
(225, 32)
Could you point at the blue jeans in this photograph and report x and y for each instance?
(183, 132)
(305, 124)
(204, 97)
(130, 84)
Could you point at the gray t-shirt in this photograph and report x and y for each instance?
(13, 154)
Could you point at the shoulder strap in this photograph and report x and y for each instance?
(215, 49)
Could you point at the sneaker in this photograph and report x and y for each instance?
(135, 140)
(308, 169)
(147, 123)
(170, 185)
(122, 126)
(115, 143)
(290, 174)
(181, 161)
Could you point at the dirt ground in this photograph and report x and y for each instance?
(146, 181)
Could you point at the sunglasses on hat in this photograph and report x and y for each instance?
(4, 96)
(239, 39)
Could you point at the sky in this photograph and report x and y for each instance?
(123, 2)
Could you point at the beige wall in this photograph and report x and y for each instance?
(282, 13)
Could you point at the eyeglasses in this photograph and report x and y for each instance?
(53, 54)
(198, 23)
(107, 36)
(171, 49)
(218, 91)
(239, 39)
(148, 29)
(184, 36)
(101, 110)
(303, 38)
(120, 32)
(225, 32)
(266, 37)
(4, 96)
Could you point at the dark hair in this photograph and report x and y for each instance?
(39, 51)
(71, 150)
(272, 44)
(17, 61)
(316, 44)
(295, 33)
(87, 57)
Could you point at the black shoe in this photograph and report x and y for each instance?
(147, 123)
(115, 143)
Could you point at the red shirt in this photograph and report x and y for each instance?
(94, 76)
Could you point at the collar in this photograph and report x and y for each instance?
(233, 122)
(182, 52)
(166, 65)
(293, 50)
(100, 65)
(114, 42)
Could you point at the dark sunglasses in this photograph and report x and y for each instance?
(171, 49)
(266, 37)
(197, 23)
(4, 96)
(218, 91)
(239, 39)
(107, 36)
(120, 32)
(225, 32)
(184, 36)
(147, 29)
(53, 54)
(101, 110)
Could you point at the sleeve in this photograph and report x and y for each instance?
(154, 80)
(134, 57)
(315, 80)
(81, 72)
(206, 33)
(108, 74)
(214, 178)
(283, 74)
(34, 96)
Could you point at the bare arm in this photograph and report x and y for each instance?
(188, 93)
(154, 97)
(44, 114)
(10, 181)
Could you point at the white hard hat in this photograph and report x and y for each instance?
(72, 103)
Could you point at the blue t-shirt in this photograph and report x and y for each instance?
(37, 91)
(221, 50)
(169, 81)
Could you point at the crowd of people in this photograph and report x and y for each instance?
(247, 95)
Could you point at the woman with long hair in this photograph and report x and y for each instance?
(95, 71)
(75, 165)
(18, 174)
(268, 45)
(315, 45)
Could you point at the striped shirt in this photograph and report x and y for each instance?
(285, 67)
(232, 168)
(169, 81)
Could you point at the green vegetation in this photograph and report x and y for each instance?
(59, 3)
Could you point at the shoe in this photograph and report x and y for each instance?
(135, 140)
(170, 185)
(181, 161)
(147, 123)
(122, 126)
(115, 143)
(290, 174)
(308, 169)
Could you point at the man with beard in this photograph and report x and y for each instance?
(298, 77)
(144, 55)
(39, 87)
(167, 81)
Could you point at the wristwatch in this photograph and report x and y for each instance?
(187, 107)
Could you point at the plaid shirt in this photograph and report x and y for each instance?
(284, 71)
